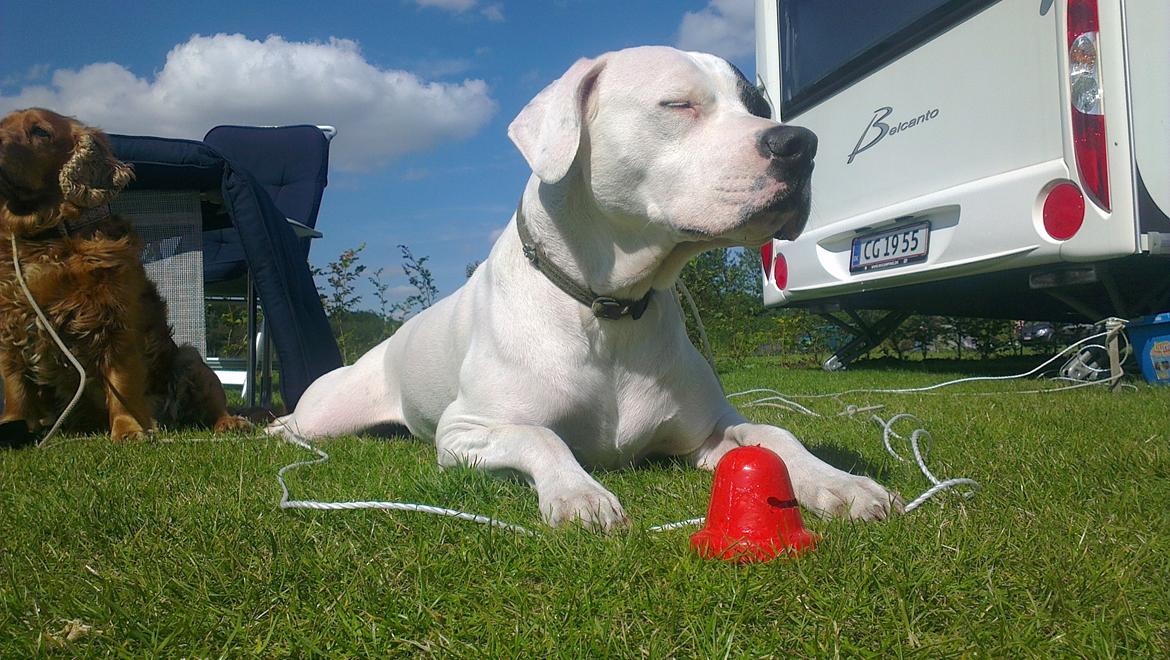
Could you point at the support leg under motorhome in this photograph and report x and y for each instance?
(866, 336)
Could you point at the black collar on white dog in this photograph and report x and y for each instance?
(604, 307)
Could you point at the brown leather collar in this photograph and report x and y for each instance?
(603, 307)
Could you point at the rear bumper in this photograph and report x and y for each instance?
(993, 224)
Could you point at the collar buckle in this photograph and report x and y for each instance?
(605, 307)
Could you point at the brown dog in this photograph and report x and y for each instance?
(82, 266)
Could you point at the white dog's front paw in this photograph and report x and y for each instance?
(582, 500)
(859, 498)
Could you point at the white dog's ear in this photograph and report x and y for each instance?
(548, 130)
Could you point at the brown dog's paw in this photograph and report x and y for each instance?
(137, 435)
(124, 428)
(232, 424)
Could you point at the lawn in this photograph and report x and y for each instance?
(177, 547)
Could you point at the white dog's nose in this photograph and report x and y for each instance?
(792, 146)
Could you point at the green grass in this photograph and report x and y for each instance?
(178, 548)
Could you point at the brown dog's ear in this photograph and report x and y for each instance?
(92, 176)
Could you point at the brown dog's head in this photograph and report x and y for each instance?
(51, 166)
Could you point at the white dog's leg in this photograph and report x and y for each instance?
(566, 492)
(819, 487)
(346, 400)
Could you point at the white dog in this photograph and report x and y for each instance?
(566, 346)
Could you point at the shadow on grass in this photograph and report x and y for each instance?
(849, 461)
(664, 463)
(390, 432)
(1000, 366)
(833, 454)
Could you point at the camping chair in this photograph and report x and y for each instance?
(291, 163)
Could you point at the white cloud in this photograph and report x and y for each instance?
(494, 12)
(448, 5)
(380, 114)
(723, 27)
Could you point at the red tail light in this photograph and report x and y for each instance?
(1064, 211)
(766, 259)
(1088, 118)
(780, 272)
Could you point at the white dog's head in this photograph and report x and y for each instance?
(679, 140)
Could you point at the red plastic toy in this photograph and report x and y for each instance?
(753, 514)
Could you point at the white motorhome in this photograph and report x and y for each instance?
(992, 158)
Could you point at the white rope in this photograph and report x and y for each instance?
(1114, 328)
(286, 503)
(776, 396)
(1085, 353)
(675, 525)
(939, 486)
(56, 339)
(852, 410)
(707, 353)
(779, 396)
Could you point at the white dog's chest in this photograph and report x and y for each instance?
(623, 408)
(618, 424)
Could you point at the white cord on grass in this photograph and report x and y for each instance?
(852, 410)
(676, 525)
(56, 339)
(1114, 327)
(939, 486)
(771, 402)
(286, 503)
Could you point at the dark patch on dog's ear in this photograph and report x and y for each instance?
(752, 99)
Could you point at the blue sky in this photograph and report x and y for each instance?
(421, 92)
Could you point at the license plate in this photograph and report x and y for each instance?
(893, 247)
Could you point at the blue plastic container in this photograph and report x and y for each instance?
(1150, 336)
